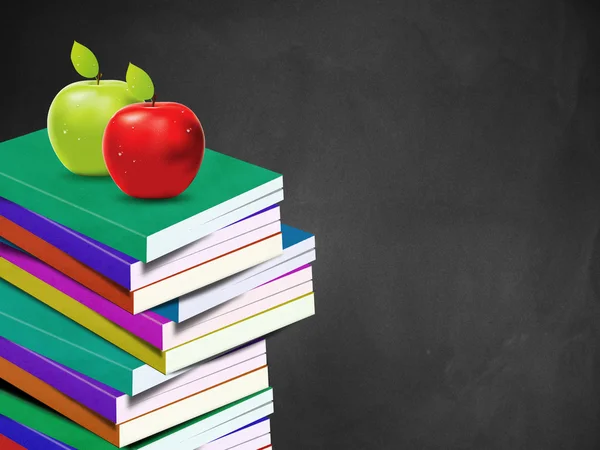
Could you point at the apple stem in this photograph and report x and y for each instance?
(153, 99)
(98, 78)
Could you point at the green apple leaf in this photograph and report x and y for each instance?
(84, 61)
(139, 83)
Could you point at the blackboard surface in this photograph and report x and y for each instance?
(444, 153)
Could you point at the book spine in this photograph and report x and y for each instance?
(9, 444)
(89, 252)
(16, 327)
(49, 256)
(141, 325)
(26, 438)
(76, 386)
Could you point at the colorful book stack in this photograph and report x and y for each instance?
(129, 323)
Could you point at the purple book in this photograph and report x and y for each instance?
(149, 326)
(28, 437)
(119, 407)
(126, 271)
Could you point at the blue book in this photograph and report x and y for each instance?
(28, 437)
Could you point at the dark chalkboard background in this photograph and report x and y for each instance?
(445, 154)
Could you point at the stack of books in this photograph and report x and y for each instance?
(130, 323)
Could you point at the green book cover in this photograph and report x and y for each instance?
(32, 176)
(34, 325)
(29, 412)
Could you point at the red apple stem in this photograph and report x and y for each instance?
(153, 99)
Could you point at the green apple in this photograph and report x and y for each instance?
(80, 112)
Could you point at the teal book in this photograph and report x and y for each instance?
(225, 190)
(32, 324)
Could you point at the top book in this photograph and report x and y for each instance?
(225, 190)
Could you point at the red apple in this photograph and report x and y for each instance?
(153, 150)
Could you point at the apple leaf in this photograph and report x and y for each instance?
(139, 83)
(84, 61)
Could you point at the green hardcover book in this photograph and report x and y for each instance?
(225, 190)
(190, 435)
(30, 323)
